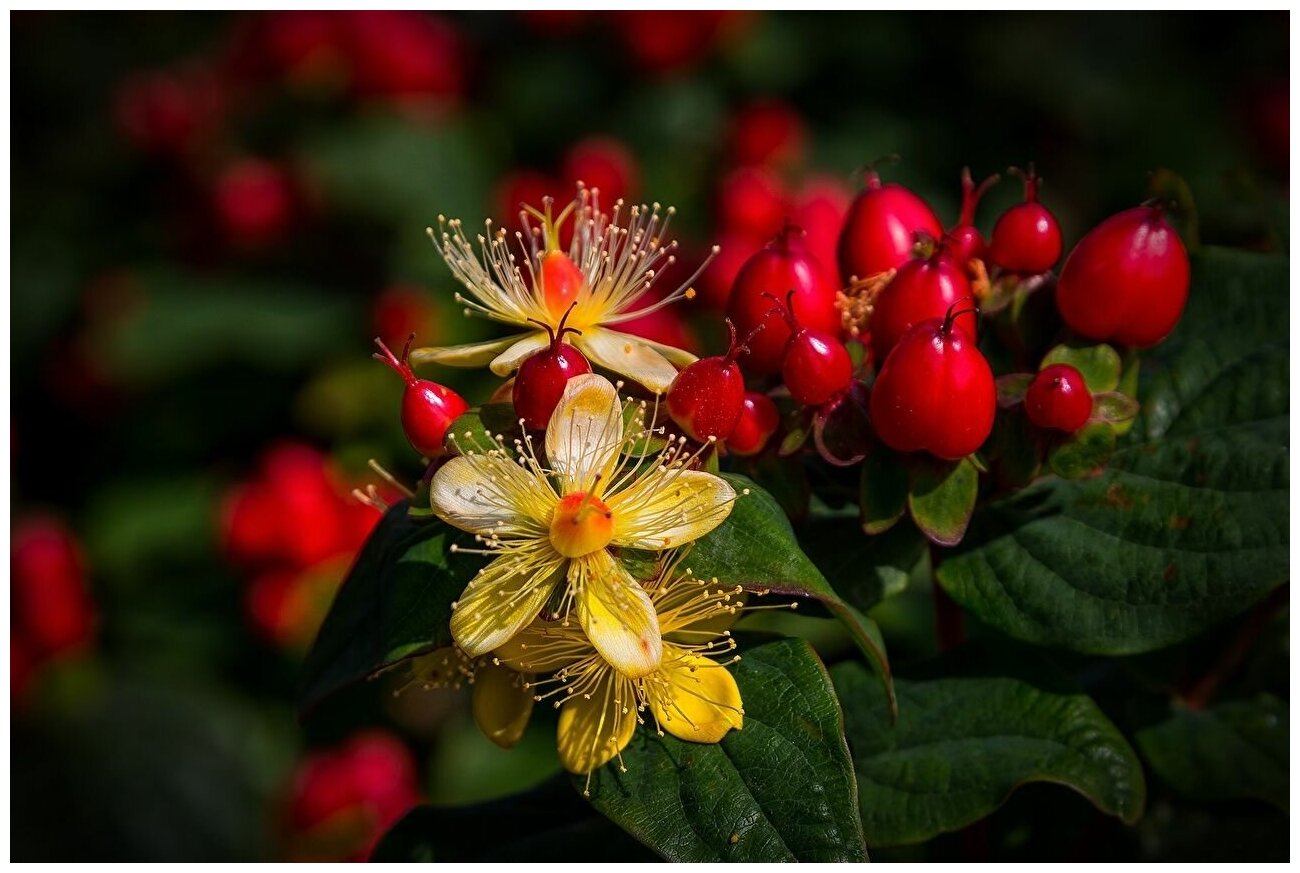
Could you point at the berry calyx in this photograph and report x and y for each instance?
(539, 385)
(1059, 399)
(816, 366)
(428, 409)
(935, 392)
(964, 239)
(785, 264)
(1126, 281)
(923, 288)
(880, 228)
(707, 397)
(558, 277)
(1027, 237)
(759, 419)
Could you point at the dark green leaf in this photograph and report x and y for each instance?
(1239, 749)
(1188, 525)
(1083, 452)
(941, 497)
(962, 745)
(1012, 388)
(756, 548)
(780, 789)
(395, 602)
(883, 490)
(549, 823)
(1100, 364)
(866, 570)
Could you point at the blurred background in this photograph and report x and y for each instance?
(214, 214)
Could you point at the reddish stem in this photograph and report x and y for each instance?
(1031, 179)
(970, 195)
(401, 366)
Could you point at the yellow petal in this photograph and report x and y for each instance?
(592, 730)
(543, 647)
(471, 355)
(508, 361)
(501, 703)
(674, 355)
(617, 614)
(698, 700)
(669, 507)
(489, 494)
(628, 356)
(585, 433)
(504, 597)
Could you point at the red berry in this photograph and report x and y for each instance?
(816, 366)
(428, 408)
(52, 608)
(881, 228)
(1126, 281)
(404, 54)
(540, 382)
(1059, 399)
(759, 419)
(605, 165)
(254, 202)
(964, 239)
(924, 288)
(708, 396)
(786, 270)
(1026, 238)
(935, 393)
(768, 132)
(752, 200)
(819, 208)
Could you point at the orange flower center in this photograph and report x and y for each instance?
(581, 525)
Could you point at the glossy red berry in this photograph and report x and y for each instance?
(924, 288)
(881, 228)
(707, 397)
(539, 385)
(428, 409)
(1059, 399)
(1027, 237)
(816, 366)
(935, 393)
(1126, 281)
(964, 239)
(759, 419)
(787, 270)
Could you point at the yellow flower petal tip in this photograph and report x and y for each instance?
(501, 704)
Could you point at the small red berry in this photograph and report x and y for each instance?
(254, 202)
(1059, 399)
(708, 396)
(816, 366)
(1027, 237)
(428, 409)
(543, 375)
(784, 269)
(768, 132)
(935, 393)
(759, 419)
(881, 228)
(1126, 281)
(964, 239)
(819, 208)
(923, 288)
(752, 200)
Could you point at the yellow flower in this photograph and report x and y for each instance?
(549, 528)
(608, 267)
(501, 700)
(688, 694)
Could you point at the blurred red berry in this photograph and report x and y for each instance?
(604, 164)
(405, 54)
(400, 311)
(303, 47)
(820, 208)
(734, 249)
(167, 112)
(253, 201)
(52, 609)
(662, 40)
(342, 800)
(526, 186)
(768, 132)
(752, 201)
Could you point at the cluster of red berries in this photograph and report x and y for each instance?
(295, 529)
(53, 614)
(341, 800)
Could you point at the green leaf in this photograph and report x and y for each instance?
(1100, 364)
(1189, 523)
(395, 602)
(867, 570)
(549, 823)
(883, 489)
(1012, 388)
(1234, 750)
(756, 548)
(468, 428)
(1114, 407)
(1083, 452)
(780, 789)
(962, 745)
(941, 497)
